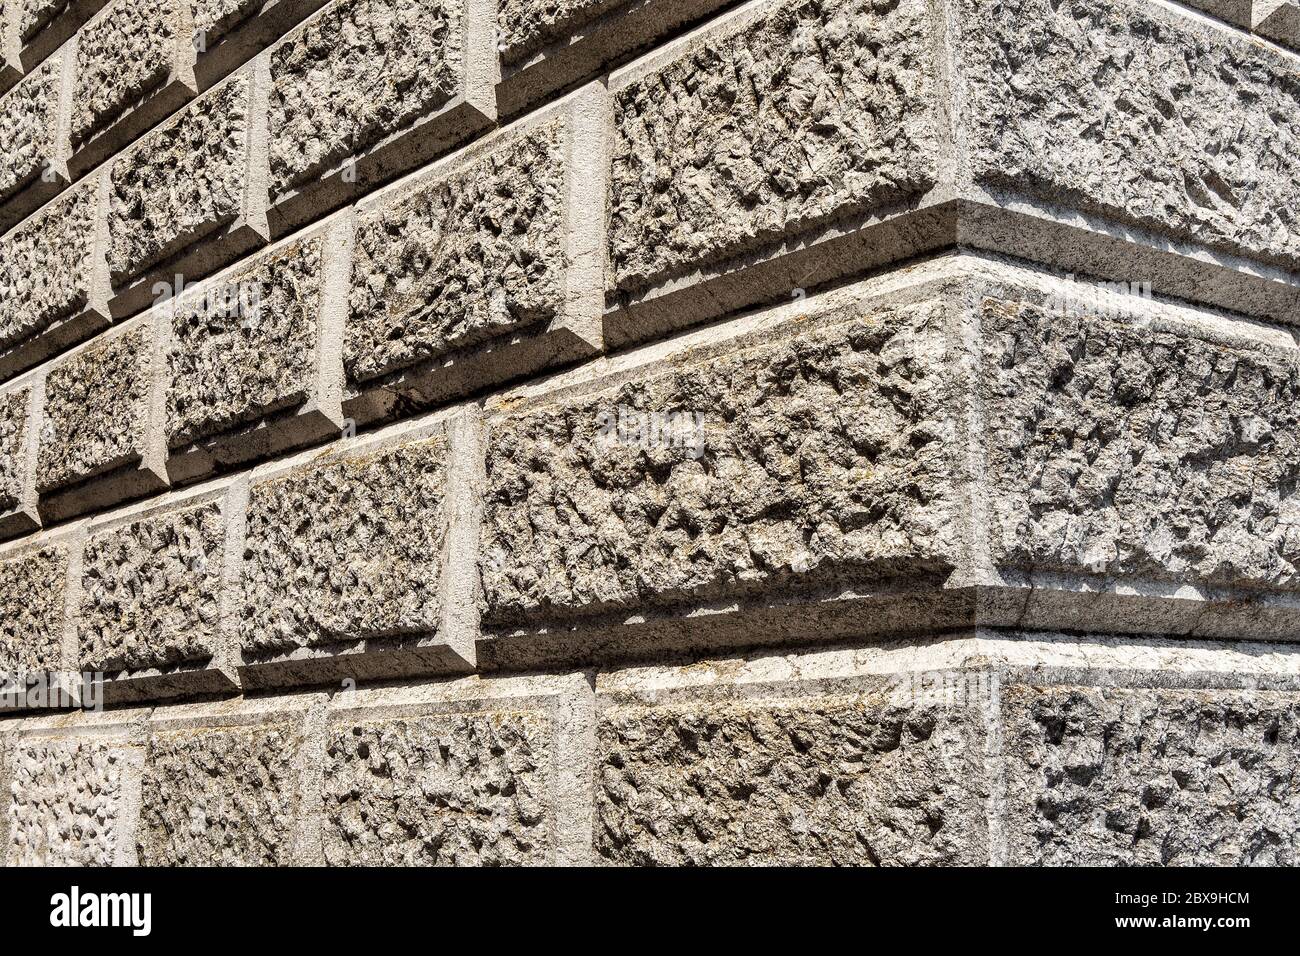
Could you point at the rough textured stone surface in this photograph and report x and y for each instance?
(95, 411)
(122, 57)
(220, 797)
(444, 790)
(1115, 777)
(45, 267)
(214, 18)
(150, 591)
(828, 781)
(66, 803)
(1126, 109)
(14, 407)
(346, 548)
(181, 182)
(528, 26)
(35, 14)
(360, 71)
(246, 346)
(468, 256)
(28, 127)
(815, 112)
(32, 611)
(1138, 452)
(821, 457)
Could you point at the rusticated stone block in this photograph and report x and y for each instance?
(40, 27)
(17, 442)
(33, 610)
(1140, 776)
(1278, 20)
(30, 124)
(813, 457)
(1234, 11)
(502, 240)
(779, 120)
(221, 796)
(364, 74)
(35, 14)
(528, 26)
(213, 18)
(1041, 87)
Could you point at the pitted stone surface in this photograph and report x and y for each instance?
(245, 347)
(816, 112)
(220, 797)
(528, 26)
(818, 458)
(440, 790)
(28, 127)
(32, 611)
(1138, 452)
(468, 256)
(67, 797)
(46, 268)
(1119, 777)
(122, 57)
(346, 548)
(95, 411)
(837, 780)
(181, 182)
(13, 445)
(150, 591)
(360, 71)
(35, 14)
(214, 18)
(1124, 108)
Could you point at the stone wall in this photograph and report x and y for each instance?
(651, 432)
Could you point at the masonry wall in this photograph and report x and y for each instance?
(658, 432)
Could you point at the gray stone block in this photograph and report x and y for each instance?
(487, 266)
(1233, 11)
(358, 560)
(34, 626)
(367, 89)
(1278, 20)
(19, 411)
(34, 121)
(190, 197)
(54, 285)
(253, 355)
(36, 28)
(467, 773)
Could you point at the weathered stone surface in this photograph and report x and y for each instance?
(95, 411)
(1234, 11)
(214, 18)
(834, 780)
(32, 610)
(67, 799)
(346, 548)
(1278, 20)
(35, 14)
(220, 796)
(245, 346)
(439, 790)
(358, 72)
(1129, 110)
(181, 182)
(1139, 451)
(123, 56)
(29, 126)
(150, 591)
(1116, 777)
(46, 266)
(528, 26)
(466, 256)
(814, 112)
(820, 457)
(14, 407)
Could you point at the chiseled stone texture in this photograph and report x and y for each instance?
(181, 182)
(528, 26)
(1140, 452)
(837, 780)
(95, 411)
(150, 588)
(465, 257)
(220, 796)
(35, 14)
(819, 457)
(122, 56)
(815, 112)
(32, 610)
(1124, 108)
(439, 790)
(46, 268)
(346, 548)
(67, 798)
(214, 18)
(246, 346)
(1117, 777)
(360, 71)
(13, 443)
(28, 127)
